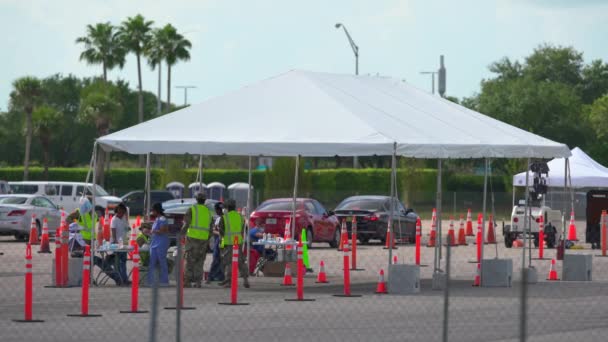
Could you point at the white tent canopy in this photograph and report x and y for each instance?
(585, 172)
(320, 114)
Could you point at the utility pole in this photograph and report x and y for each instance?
(185, 92)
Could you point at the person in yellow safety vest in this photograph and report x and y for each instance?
(84, 215)
(197, 228)
(231, 226)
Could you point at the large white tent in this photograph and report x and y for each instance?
(320, 114)
(302, 113)
(584, 172)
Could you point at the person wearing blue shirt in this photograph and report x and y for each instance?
(256, 233)
(159, 247)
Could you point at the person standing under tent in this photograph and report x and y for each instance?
(216, 271)
(231, 226)
(85, 218)
(159, 247)
(119, 226)
(196, 227)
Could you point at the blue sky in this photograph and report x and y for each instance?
(240, 42)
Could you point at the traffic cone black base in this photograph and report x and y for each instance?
(182, 308)
(81, 315)
(351, 295)
(28, 320)
(300, 300)
(233, 303)
(135, 312)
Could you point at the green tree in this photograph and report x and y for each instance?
(176, 48)
(597, 113)
(555, 64)
(100, 105)
(25, 96)
(45, 121)
(102, 46)
(595, 81)
(135, 34)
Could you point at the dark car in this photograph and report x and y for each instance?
(134, 200)
(176, 209)
(372, 214)
(320, 225)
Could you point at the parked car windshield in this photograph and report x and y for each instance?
(364, 204)
(277, 205)
(13, 200)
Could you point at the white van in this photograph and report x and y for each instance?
(66, 195)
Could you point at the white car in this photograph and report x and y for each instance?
(67, 194)
(551, 219)
(16, 214)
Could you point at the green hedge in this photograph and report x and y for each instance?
(328, 185)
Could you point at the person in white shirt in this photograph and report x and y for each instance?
(119, 226)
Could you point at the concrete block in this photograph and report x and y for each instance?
(532, 275)
(75, 271)
(577, 267)
(496, 272)
(404, 279)
(439, 281)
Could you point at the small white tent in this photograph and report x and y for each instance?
(585, 172)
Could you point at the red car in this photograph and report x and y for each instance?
(322, 225)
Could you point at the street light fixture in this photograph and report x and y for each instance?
(352, 45)
(432, 73)
(185, 92)
(356, 52)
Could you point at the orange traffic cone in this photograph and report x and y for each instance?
(322, 277)
(491, 237)
(343, 235)
(287, 280)
(469, 230)
(433, 233)
(287, 233)
(138, 221)
(389, 239)
(132, 240)
(477, 281)
(451, 240)
(44, 243)
(99, 234)
(34, 232)
(381, 288)
(572, 228)
(552, 271)
(395, 260)
(462, 238)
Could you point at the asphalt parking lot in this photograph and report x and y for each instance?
(558, 311)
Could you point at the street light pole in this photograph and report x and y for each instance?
(432, 73)
(356, 52)
(185, 92)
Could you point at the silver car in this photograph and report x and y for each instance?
(16, 214)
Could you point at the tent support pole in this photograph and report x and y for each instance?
(438, 199)
(566, 190)
(523, 327)
(199, 175)
(390, 221)
(247, 213)
(94, 190)
(147, 197)
(295, 195)
(483, 220)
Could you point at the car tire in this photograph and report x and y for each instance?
(21, 237)
(508, 240)
(336, 241)
(364, 240)
(309, 237)
(39, 228)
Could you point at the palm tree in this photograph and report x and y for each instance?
(176, 48)
(156, 56)
(101, 46)
(100, 106)
(26, 95)
(135, 33)
(45, 120)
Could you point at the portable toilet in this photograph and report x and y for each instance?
(216, 191)
(195, 188)
(238, 192)
(176, 188)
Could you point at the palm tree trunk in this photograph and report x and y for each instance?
(159, 106)
(140, 102)
(168, 87)
(28, 144)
